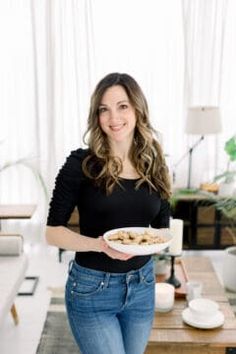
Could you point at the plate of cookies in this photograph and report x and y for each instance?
(138, 240)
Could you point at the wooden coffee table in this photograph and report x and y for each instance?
(171, 335)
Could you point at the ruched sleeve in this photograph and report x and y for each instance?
(162, 219)
(66, 190)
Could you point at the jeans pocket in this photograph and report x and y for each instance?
(84, 286)
(148, 277)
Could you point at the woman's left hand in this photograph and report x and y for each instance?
(111, 252)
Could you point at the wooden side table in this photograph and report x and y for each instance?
(171, 335)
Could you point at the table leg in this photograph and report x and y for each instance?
(14, 314)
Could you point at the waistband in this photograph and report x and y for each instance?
(98, 273)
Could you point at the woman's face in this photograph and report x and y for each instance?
(116, 115)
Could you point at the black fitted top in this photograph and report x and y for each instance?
(99, 213)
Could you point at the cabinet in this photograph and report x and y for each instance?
(205, 227)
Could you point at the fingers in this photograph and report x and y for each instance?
(113, 253)
(118, 255)
(110, 252)
(121, 257)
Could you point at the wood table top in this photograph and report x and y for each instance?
(17, 211)
(169, 328)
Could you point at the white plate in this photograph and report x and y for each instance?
(140, 249)
(216, 321)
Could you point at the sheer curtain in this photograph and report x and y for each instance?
(54, 52)
(205, 26)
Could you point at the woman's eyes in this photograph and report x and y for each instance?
(105, 109)
(102, 109)
(123, 106)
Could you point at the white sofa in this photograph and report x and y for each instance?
(13, 265)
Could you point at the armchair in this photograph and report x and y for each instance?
(13, 266)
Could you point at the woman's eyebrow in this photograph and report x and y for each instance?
(122, 101)
(119, 102)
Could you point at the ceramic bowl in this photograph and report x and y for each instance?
(136, 249)
(203, 309)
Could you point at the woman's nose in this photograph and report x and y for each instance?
(114, 115)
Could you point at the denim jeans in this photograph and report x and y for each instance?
(110, 313)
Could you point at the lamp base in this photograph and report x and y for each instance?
(173, 281)
(172, 278)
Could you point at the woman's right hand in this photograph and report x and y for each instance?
(103, 246)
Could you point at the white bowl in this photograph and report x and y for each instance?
(140, 249)
(203, 309)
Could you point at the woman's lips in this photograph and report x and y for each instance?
(116, 128)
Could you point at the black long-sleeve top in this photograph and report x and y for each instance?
(99, 212)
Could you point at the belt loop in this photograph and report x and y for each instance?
(70, 265)
(106, 279)
(140, 275)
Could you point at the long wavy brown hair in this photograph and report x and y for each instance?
(145, 153)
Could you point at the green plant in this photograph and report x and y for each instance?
(230, 148)
(227, 207)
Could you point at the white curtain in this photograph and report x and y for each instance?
(206, 32)
(54, 52)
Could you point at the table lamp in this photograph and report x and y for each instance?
(201, 121)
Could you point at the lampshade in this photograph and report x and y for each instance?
(203, 120)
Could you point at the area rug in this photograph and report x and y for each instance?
(56, 337)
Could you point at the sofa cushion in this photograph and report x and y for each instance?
(12, 272)
(11, 245)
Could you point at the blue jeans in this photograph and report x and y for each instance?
(110, 313)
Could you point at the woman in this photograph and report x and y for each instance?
(121, 180)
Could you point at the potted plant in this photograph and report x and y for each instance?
(228, 271)
(227, 206)
(227, 178)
